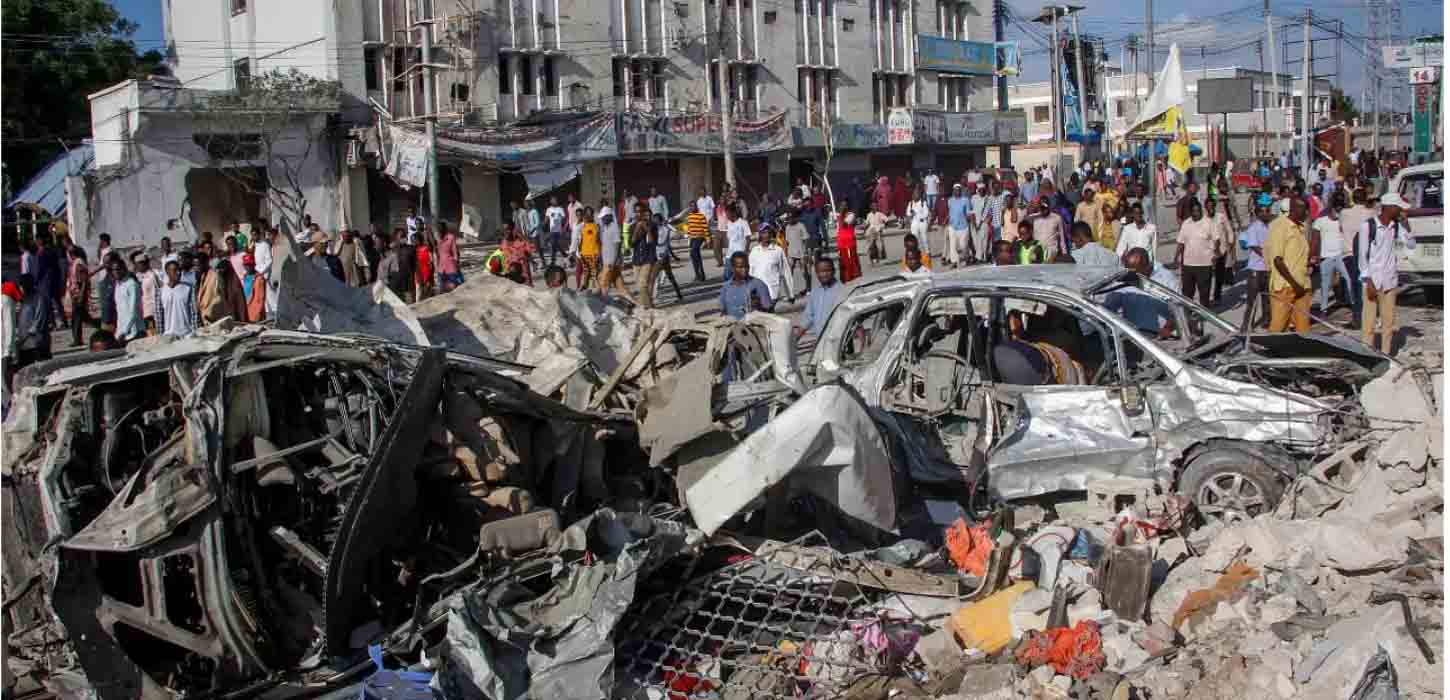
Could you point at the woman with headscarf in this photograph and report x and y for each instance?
(900, 197)
(881, 196)
(846, 244)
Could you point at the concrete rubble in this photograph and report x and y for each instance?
(583, 502)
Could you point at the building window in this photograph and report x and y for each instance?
(551, 78)
(1040, 115)
(505, 76)
(239, 6)
(657, 80)
(848, 24)
(1118, 106)
(619, 68)
(769, 16)
(242, 73)
(637, 79)
(526, 69)
(372, 68)
(458, 92)
(811, 7)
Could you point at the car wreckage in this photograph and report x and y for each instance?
(251, 508)
(1023, 381)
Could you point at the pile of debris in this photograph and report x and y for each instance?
(577, 502)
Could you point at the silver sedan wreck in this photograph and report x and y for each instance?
(251, 507)
(1021, 381)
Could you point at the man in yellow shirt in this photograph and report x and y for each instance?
(1090, 212)
(1287, 252)
(697, 227)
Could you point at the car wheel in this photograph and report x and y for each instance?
(1228, 484)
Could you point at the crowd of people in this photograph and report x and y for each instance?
(1331, 222)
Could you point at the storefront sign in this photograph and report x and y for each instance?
(899, 127)
(858, 136)
(531, 147)
(407, 157)
(970, 128)
(954, 56)
(929, 127)
(699, 133)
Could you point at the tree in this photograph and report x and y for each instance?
(57, 52)
(1341, 106)
(275, 121)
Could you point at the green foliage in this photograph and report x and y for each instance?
(1341, 106)
(56, 52)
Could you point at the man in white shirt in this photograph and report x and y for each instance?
(554, 216)
(705, 204)
(573, 208)
(658, 205)
(413, 222)
(875, 240)
(1138, 234)
(769, 265)
(1325, 237)
(978, 220)
(631, 207)
(737, 235)
(129, 323)
(1198, 242)
(1379, 269)
(1086, 251)
(933, 189)
(1351, 220)
(178, 304)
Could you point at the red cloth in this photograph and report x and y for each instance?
(846, 246)
(901, 197)
(882, 196)
(425, 263)
(1076, 651)
(12, 290)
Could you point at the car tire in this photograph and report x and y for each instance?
(1230, 484)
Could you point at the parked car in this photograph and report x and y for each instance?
(1423, 186)
(1187, 404)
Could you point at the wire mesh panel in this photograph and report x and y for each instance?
(779, 625)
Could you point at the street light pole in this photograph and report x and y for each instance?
(1152, 144)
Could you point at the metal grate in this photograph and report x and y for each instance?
(778, 625)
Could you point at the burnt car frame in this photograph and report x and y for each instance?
(1223, 418)
(250, 507)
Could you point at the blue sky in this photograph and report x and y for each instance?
(1194, 24)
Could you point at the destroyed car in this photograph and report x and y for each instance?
(1020, 381)
(250, 507)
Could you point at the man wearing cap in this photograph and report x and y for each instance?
(1379, 268)
(959, 214)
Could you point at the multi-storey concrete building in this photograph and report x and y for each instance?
(1270, 127)
(799, 74)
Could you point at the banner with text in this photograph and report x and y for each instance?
(858, 136)
(970, 128)
(534, 147)
(699, 133)
(955, 56)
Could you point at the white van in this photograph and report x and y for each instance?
(1423, 187)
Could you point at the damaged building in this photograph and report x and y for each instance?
(577, 501)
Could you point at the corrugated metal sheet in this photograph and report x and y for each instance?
(47, 189)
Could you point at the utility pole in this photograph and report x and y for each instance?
(1081, 82)
(1050, 13)
(1274, 71)
(1060, 125)
(727, 116)
(1004, 153)
(1264, 101)
(1306, 128)
(1152, 143)
(431, 120)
